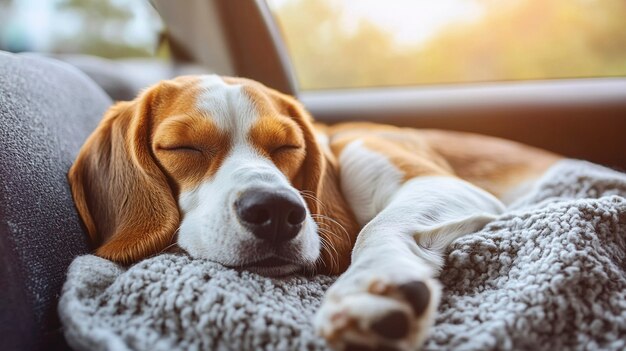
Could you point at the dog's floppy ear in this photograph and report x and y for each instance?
(318, 182)
(310, 175)
(121, 194)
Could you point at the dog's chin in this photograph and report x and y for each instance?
(279, 271)
(272, 266)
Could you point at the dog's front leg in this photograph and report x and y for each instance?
(388, 298)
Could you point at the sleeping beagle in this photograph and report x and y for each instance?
(234, 172)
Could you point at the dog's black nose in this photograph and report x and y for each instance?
(271, 215)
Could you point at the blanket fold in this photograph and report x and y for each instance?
(549, 274)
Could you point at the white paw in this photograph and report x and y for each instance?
(371, 311)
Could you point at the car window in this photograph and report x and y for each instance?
(106, 28)
(372, 43)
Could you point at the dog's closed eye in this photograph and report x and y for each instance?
(180, 148)
(285, 148)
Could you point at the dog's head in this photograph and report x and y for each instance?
(229, 165)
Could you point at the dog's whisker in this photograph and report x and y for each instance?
(168, 247)
(326, 245)
(330, 249)
(310, 195)
(173, 242)
(328, 228)
(333, 253)
(323, 217)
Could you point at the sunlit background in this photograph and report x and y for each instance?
(363, 43)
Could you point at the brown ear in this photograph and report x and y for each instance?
(121, 194)
(318, 181)
(309, 177)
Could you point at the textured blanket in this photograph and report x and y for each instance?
(550, 274)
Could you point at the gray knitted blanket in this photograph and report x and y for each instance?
(547, 275)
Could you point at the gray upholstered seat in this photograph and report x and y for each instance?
(47, 109)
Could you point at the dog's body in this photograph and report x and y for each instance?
(243, 177)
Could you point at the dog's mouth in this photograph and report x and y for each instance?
(271, 266)
(268, 262)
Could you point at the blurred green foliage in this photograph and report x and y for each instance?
(513, 40)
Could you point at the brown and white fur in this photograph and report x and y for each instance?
(381, 203)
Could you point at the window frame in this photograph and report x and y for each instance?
(237, 38)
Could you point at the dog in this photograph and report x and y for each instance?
(237, 173)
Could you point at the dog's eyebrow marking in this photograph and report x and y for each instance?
(227, 105)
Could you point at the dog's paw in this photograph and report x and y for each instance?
(371, 312)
